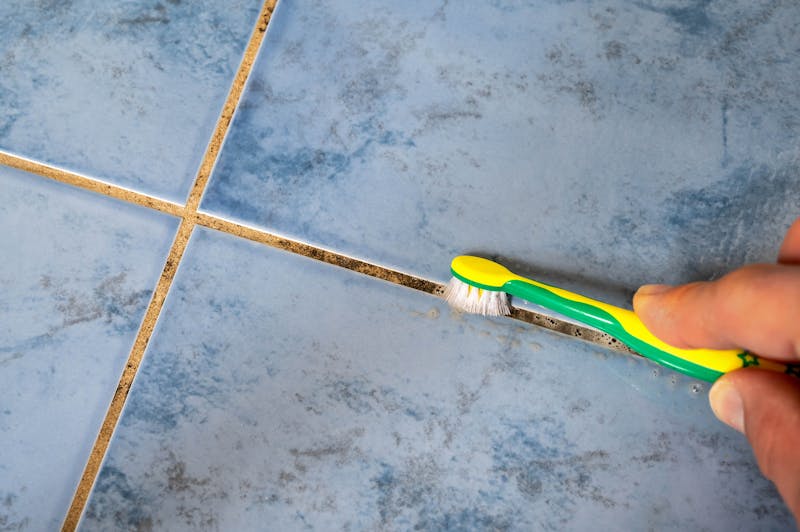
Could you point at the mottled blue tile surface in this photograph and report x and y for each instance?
(601, 144)
(285, 394)
(128, 92)
(76, 275)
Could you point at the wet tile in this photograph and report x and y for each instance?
(76, 276)
(284, 393)
(601, 145)
(128, 92)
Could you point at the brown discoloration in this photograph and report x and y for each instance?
(92, 185)
(570, 329)
(179, 480)
(322, 255)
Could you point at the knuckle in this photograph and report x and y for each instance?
(746, 280)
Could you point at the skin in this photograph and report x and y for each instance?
(757, 308)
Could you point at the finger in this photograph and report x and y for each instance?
(755, 308)
(790, 250)
(766, 407)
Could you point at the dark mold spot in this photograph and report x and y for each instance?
(178, 480)
(614, 49)
(145, 19)
(111, 302)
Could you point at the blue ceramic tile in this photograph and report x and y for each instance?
(285, 394)
(613, 142)
(128, 92)
(76, 275)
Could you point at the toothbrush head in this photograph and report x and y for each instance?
(468, 298)
(477, 286)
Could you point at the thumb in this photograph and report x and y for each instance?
(765, 406)
(755, 308)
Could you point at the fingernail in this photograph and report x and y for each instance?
(726, 402)
(652, 289)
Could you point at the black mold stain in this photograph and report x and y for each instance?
(362, 397)
(568, 76)
(614, 49)
(110, 301)
(342, 450)
(662, 451)
(178, 480)
(145, 19)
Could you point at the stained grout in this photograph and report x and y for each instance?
(313, 252)
(580, 332)
(92, 185)
(423, 285)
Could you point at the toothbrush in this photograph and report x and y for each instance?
(482, 286)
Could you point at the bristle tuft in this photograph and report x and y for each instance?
(465, 297)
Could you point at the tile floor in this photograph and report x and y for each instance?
(599, 145)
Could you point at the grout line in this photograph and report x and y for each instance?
(228, 110)
(580, 332)
(322, 255)
(114, 411)
(587, 334)
(176, 253)
(92, 185)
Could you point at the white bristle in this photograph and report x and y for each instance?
(465, 297)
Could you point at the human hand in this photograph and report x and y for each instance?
(757, 308)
